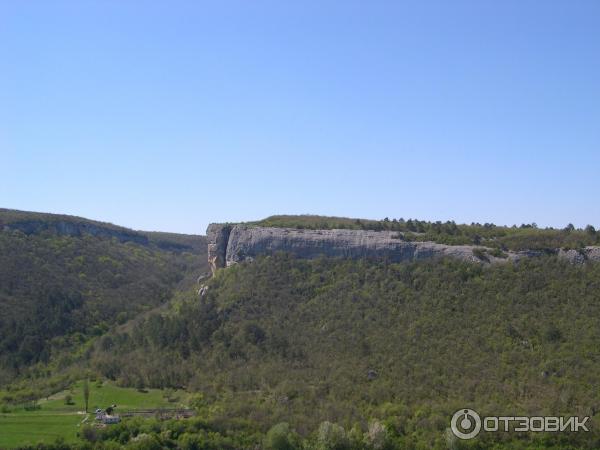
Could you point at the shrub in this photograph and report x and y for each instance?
(281, 437)
(331, 437)
(89, 433)
(376, 437)
(552, 333)
(497, 253)
(479, 253)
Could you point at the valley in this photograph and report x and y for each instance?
(283, 351)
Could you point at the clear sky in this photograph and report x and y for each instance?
(167, 115)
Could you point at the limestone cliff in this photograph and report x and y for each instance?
(217, 236)
(230, 244)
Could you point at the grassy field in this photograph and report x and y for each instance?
(56, 419)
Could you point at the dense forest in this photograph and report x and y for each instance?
(62, 285)
(282, 340)
(522, 237)
(284, 353)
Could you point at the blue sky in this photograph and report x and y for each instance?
(169, 115)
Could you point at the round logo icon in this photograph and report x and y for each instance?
(465, 424)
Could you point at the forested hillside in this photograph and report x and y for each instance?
(303, 342)
(284, 353)
(65, 280)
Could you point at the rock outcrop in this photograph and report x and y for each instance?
(580, 256)
(217, 236)
(230, 244)
(592, 253)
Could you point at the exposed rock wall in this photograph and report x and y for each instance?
(217, 236)
(230, 244)
(248, 242)
(580, 256)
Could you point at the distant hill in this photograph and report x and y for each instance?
(65, 280)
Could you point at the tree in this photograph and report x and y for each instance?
(86, 393)
(88, 433)
(139, 384)
(376, 437)
(331, 436)
(281, 437)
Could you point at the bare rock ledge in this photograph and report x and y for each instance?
(229, 244)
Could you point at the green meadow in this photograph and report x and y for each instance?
(56, 419)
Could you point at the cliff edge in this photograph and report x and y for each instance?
(229, 244)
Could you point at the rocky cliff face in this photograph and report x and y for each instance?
(248, 242)
(217, 237)
(230, 244)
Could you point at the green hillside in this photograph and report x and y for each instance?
(284, 353)
(308, 342)
(66, 280)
